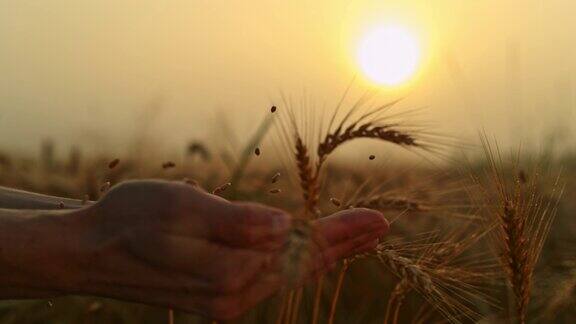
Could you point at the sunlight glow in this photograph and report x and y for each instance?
(389, 55)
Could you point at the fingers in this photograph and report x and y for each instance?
(346, 249)
(335, 237)
(343, 235)
(346, 234)
(349, 224)
(226, 270)
(267, 284)
(250, 225)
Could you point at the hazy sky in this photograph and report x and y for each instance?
(82, 71)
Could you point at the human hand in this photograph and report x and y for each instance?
(173, 245)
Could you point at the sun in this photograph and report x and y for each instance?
(389, 55)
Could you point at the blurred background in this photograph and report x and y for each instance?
(83, 72)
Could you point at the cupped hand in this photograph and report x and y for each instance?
(171, 244)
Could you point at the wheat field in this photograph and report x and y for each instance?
(486, 237)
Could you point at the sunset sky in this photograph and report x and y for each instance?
(82, 71)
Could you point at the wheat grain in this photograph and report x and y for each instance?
(335, 202)
(168, 165)
(200, 149)
(221, 188)
(112, 164)
(105, 186)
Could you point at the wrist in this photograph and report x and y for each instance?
(40, 252)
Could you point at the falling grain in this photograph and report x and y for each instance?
(275, 177)
(257, 151)
(221, 188)
(112, 164)
(372, 157)
(105, 186)
(273, 109)
(275, 191)
(335, 202)
(168, 165)
(197, 148)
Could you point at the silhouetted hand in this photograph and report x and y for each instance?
(170, 244)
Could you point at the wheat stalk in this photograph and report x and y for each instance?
(523, 218)
(444, 288)
(440, 254)
(317, 298)
(337, 290)
(309, 168)
(395, 300)
(170, 316)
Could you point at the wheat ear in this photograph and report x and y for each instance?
(523, 219)
(308, 178)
